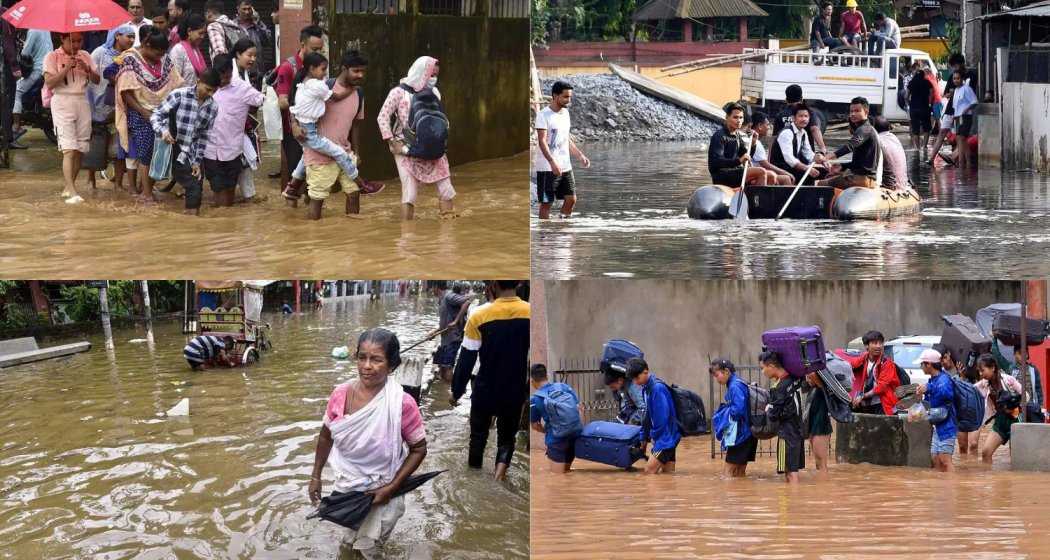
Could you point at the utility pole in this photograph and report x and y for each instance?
(1022, 364)
(149, 313)
(103, 302)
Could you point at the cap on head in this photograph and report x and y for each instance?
(851, 3)
(930, 355)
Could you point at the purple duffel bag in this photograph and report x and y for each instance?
(801, 349)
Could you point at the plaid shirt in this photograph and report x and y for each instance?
(192, 122)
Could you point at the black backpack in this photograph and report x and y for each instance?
(689, 411)
(426, 132)
(902, 375)
(271, 77)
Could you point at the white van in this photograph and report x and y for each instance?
(831, 79)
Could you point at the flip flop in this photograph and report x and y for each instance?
(372, 187)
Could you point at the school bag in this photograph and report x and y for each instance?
(426, 132)
(563, 414)
(689, 411)
(762, 426)
(271, 77)
(902, 375)
(801, 349)
(969, 406)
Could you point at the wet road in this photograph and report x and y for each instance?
(113, 236)
(89, 468)
(631, 222)
(856, 511)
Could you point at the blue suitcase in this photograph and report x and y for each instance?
(610, 443)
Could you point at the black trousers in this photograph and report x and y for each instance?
(508, 419)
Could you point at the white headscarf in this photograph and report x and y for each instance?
(421, 74)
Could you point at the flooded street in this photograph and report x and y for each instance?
(631, 221)
(856, 511)
(112, 234)
(91, 468)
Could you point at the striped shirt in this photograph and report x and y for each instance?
(193, 121)
(203, 348)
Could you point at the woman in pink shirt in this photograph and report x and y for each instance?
(67, 71)
(415, 172)
(373, 438)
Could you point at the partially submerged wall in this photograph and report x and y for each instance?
(1026, 126)
(483, 81)
(678, 324)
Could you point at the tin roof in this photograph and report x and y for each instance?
(697, 9)
(1039, 9)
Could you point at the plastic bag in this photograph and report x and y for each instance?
(917, 412)
(937, 415)
(272, 116)
(160, 165)
(341, 352)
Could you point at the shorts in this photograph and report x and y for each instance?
(71, 115)
(819, 421)
(728, 177)
(549, 187)
(446, 354)
(920, 123)
(321, 178)
(965, 126)
(938, 108)
(946, 122)
(1002, 424)
(222, 175)
(942, 447)
(848, 179)
(791, 450)
(562, 450)
(667, 455)
(742, 453)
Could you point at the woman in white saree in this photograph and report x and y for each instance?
(373, 438)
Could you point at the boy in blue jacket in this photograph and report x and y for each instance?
(661, 425)
(737, 397)
(939, 392)
(561, 450)
(785, 407)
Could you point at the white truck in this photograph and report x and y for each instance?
(831, 79)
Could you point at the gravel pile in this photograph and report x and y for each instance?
(604, 107)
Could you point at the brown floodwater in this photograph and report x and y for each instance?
(113, 236)
(854, 511)
(91, 468)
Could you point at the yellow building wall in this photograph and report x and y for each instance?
(718, 85)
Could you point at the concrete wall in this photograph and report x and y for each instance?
(678, 324)
(1026, 126)
(483, 81)
(990, 131)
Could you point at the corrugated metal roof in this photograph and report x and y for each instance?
(697, 9)
(1039, 9)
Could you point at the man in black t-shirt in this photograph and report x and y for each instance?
(817, 121)
(920, 109)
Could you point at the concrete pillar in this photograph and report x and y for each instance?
(538, 324)
(36, 290)
(293, 16)
(742, 25)
(298, 294)
(884, 440)
(1037, 299)
(1030, 447)
(107, 329)
(990, 130)
(687, 31)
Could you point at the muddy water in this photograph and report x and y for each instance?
(111, 234)
(855, 511)
(631, 221)
(89, 468)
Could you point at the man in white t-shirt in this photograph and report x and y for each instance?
(554, 178)
(774, 175)
(137, 18)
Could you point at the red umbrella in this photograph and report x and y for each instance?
(67, 16)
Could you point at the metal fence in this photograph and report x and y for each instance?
(1029, 66)
(496, 8)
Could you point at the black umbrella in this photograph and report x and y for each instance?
(349, 509)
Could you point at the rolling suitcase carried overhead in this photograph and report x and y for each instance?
(1007, 328)
(610, 443)
(801, 349)
(964, 342)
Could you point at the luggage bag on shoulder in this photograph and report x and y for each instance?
(610, 443)
(1007, 328)
(615, 354)
(964, 341)
(801, 349)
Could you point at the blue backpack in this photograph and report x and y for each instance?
(426, 132)
(563, 414)
(969, 406)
